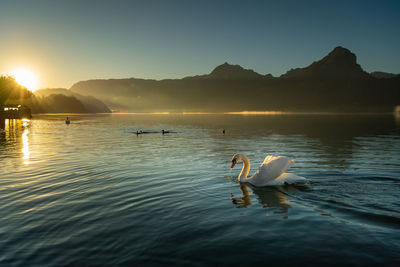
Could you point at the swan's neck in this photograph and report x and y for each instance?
(246, 168)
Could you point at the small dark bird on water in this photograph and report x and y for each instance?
(67, 121)
(223, 131)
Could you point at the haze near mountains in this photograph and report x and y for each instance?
(84, 104)
(334, 83)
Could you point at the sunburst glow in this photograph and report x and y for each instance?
(25, 78)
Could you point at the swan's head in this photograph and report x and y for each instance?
(235, 159)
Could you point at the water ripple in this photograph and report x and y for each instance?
(94, 193)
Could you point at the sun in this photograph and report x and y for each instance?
(25, 78)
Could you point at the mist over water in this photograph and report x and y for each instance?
(95, 193)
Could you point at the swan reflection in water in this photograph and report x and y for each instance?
(268, 197)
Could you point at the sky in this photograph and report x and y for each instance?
(66, 41)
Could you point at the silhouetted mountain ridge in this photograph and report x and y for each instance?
(229, 71)
(338, 63)
(334, 83)
(382, 75)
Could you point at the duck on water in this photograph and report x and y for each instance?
(149, 132)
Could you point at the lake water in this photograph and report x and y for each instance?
(93, 193)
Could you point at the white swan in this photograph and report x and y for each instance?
(270, 173)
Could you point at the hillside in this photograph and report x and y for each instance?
(87, 104)
(334, 83)
(47, 101)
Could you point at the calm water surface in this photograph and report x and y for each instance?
(94, 193)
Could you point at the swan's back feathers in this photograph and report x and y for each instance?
(271, 168)
(286, 178)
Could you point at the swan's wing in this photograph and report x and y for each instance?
(271, 168)
(275, 165)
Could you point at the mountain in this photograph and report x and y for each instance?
(59, 103)
(89, 104)
(227, 71)
(382, 75)
(334, 83)
(47, 100)
(338, 63)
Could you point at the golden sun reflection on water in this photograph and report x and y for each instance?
(25, 122)
(16, 131)
(25, 146)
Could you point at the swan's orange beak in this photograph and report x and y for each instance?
(233, 163)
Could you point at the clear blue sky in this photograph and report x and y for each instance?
(72, 40)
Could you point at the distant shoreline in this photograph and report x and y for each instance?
(245, 113)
